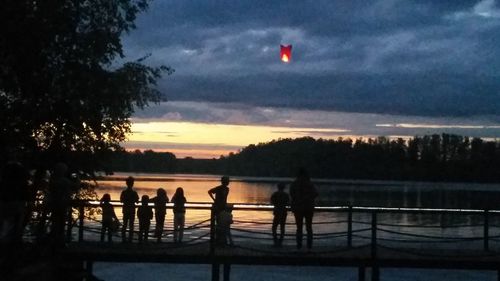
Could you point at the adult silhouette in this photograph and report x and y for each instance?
(128, 197)
(13, 198)
(303, 193)
(61, 189)
(219, 195)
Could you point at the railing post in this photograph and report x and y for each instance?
(349, 227)
(89, 268)
(361, 273)
(212, 230)
(69, 222)
(81, 210)
(227, 272)
(215, 272)
(486, 230)
(375, 270)
(374, 235)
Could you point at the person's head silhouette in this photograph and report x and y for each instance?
(130, 182)
(145, 200)
(106, 198)
(224, 180)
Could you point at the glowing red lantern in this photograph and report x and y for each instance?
(286, 53)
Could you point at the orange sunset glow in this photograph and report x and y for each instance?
(202, 140)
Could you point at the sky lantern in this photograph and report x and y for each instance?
(286, 53)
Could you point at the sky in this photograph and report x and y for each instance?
(359, 69)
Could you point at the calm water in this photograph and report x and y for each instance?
(358, 193)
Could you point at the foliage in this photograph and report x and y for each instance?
(86, 192)
(436, 157)
(61, 89)
(137, 161)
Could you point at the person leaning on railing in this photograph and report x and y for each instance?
(109, 218)
(160, 204)
(179, 214)
(280, 200)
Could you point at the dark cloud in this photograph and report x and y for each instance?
(434, 94)
(435, 58)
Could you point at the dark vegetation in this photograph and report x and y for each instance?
(66, 91)
(435, 158)
(66, 95)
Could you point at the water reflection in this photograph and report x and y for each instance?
(358, 193)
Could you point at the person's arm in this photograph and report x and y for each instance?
(211, 193)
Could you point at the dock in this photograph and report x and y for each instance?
(360, 239)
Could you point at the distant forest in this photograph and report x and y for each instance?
(433, 158)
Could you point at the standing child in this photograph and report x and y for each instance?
(108, 217)
(224, 221)
(179, 214)
(280, 200)
(160, 202)
(128, 197)
(145, 215)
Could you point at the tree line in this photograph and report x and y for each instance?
(436, 157)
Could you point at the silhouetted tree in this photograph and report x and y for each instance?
(61, 86)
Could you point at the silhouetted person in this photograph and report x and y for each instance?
(13, 198)
(160, 202)
(280, 200)
(179, 214)
(128, 197)
(219, 195)
(61, 189)
(109, 218)
(303, 193)
(224, 221)
(145, 215)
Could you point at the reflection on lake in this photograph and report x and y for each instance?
(334, 193)
(357, 193)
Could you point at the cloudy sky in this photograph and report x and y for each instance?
(358, 69)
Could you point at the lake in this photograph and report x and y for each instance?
(331, 192)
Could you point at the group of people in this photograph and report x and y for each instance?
(41, 200)
(301, 201)
(303, 194)
(60, 187)
(129, 198)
